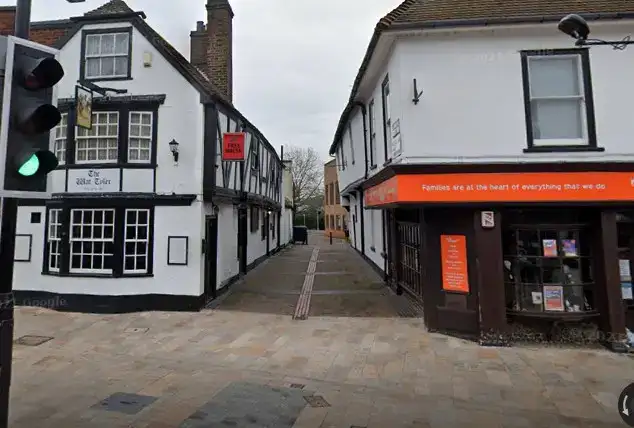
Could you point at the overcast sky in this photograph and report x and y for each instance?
(294, 60)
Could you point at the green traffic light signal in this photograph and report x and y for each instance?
(30, 167)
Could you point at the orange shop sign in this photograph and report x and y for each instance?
(453, 253)
(507, 187)
(382, 193)
(233, 146)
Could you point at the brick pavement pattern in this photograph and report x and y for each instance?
(354, 362)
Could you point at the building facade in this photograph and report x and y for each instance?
(144, 212)
(335, 215)
(490, 161)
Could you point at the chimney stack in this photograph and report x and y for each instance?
(219, 46)
(198, 47)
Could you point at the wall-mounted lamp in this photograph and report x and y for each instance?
(215, 209)
(577, 27)
(174, 149)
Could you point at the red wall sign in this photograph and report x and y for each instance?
(233, 146)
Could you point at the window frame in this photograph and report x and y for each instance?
(124, 109)
(140, 137)
(387, 119)
(589, 140)
(107, 124)
(119, 240)
(49, 241)
(119, 30)
(351, 142)
(372, 128)
(60, 138)
(82, 240)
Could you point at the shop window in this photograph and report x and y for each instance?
(255, 219)
(54, 239)
(136, 240)
(91, 240)
(548, 269)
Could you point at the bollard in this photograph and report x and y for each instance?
(330, 238)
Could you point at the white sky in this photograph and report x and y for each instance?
(294, 60)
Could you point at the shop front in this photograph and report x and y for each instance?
(525, 252)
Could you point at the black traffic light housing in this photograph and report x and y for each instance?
(30, 75)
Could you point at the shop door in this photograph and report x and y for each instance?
(211, 257)
(451, 265)
(242, 238)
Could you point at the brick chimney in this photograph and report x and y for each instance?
(214, 53)
(198, 47)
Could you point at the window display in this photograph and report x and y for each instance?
(548, 269)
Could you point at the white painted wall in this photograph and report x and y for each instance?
(176, 280)
(180, 117)
(472, 109)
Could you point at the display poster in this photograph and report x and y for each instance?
(549, 247)
(537, 297)
(453, 253)
(553, 298)
(624, 270)
(570, 247)
(626, 290)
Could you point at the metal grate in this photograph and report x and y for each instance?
(409, 270)
(136, 330)
(316, 401)
(30, 340)
(297, 385)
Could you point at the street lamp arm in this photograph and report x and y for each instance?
(617, 45)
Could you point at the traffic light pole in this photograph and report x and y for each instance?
(7, 247)
(8, 222)
(23, 19)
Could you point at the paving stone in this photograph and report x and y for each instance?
(124, 402)
(249, 405)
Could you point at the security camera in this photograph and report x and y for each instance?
(574, 26)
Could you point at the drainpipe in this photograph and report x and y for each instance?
(365, 136)
(360, 197)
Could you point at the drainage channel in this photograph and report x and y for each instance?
(303, 303)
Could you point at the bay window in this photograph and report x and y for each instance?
(99, 241)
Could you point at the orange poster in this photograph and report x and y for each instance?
(453, 254)
(588, 186)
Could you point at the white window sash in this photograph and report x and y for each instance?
(140, 138)
(91, 240)
(87, 138)
(584, 141)
(127, 240)
(53, 224)
(100, 55)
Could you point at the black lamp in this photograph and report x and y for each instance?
(574, 26)
(174, 149)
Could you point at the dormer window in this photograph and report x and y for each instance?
(106, 54)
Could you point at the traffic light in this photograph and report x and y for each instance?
(28, 115)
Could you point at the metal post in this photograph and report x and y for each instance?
(330, 238)
(23, 19)
(7, 247)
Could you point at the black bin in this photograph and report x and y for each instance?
(300, 234)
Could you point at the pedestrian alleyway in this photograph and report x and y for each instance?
(355, 356)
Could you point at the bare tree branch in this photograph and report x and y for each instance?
(307, 171)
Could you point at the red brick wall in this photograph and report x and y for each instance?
(45, 36)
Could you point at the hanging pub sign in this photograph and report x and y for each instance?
(233, 146)
(83, 107)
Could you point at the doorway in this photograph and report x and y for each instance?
(242, 238)
(451, 275)
(211, 257)
(268, 232)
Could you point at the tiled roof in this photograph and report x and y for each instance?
(113, 6)
(420, 11)
(448, 13)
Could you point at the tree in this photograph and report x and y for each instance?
(307, 170)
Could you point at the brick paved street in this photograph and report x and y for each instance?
(357, 360)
